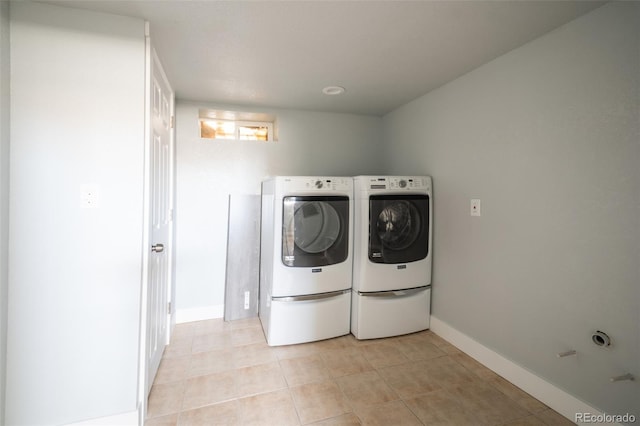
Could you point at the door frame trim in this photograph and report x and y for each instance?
(144, 274)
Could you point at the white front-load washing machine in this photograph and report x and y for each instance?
(306, 258)
(392, 255)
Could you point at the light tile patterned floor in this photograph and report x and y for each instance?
(223, 373)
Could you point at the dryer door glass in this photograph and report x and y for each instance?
(315, 230)
(398, 228)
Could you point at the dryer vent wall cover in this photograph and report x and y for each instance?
(601, 339)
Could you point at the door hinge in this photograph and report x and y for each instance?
(169, 308)
(173, 121)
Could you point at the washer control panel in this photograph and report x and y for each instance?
(399, 182)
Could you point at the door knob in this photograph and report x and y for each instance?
(157, 248)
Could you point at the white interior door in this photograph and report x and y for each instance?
(161, 218)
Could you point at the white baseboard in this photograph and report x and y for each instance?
(125, 419)
(552, 396)
(199, 314)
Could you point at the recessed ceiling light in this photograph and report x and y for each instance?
(333, 90)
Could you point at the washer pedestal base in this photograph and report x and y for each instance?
(392, 313)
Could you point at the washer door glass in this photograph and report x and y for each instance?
(398, 225)
(398, 228)
(314, 230)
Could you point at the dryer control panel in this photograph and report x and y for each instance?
(309, 183)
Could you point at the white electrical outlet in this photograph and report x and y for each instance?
(246, 299)
(475, 207)
(89, 196)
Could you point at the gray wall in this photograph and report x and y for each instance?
(309, 143)
(74, 273)
(547, 136)
(4, 192)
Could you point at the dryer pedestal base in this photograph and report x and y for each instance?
(292, 322)
(392, 313)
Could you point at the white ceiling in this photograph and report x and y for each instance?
(282, 53)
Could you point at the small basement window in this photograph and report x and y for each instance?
(241, 126)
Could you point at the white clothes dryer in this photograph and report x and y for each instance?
(392, 255)
(306, 258)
